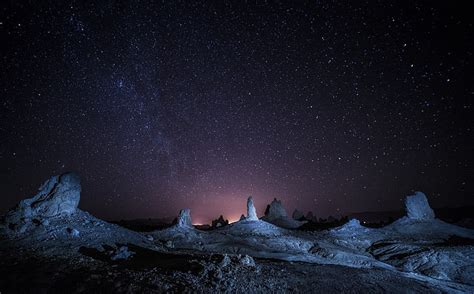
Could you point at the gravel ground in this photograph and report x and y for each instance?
(152, 272)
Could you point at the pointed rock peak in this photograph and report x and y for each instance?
(418, 208)
(184, 218)
(251, 212)
(275, 210)
(242, 217)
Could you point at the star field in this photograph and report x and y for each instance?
(332, 107)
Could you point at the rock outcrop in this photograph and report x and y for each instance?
(220, 222)
(184, 219)
(276, 214)
(57, 197)
(275, 210)
(122, 253)
(418, 208)
(251, 212)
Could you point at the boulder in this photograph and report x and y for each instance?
(122, 253)
(225, 261)
(418, 208)
(251, 212)
(297, 215)
(247, 260)
(184, 219)
(73, 232)
(58, 196)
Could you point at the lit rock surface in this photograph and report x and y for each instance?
(417, 207)
(58, 196)
(276, 214)
(432, 252)
(275, 210)
(251, 212)
(184, 218)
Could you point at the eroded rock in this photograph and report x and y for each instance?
(122, 253)
(220, 222)
(418, 208)
(251, 212)
(58, 196)
(184, 218)
(275, 210)
(247, 260)
(276, 214)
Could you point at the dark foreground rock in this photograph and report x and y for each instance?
(152, 272)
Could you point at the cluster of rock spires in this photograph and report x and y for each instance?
(60, 195)
(220, 222)
(275, 214)
(58, 198)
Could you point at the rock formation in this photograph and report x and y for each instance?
(251, 212)
(242, 217)
(122, 253)
(275, 210)
(276, 214)
(58, 196)
(297, 215)
(184, 219)
(418, 208)
(220, 222)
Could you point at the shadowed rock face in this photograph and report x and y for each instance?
(184, 218)
(310, 216)
(58, 196)
(220, 222)
(275, 211)
(418, 208)
(297, 215)
(251, 212)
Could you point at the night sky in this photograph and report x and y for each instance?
(331, 106)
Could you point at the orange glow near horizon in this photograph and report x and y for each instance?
(231, 218)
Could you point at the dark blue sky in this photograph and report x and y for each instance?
(332, 107)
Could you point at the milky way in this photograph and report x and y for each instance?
(333, 108)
